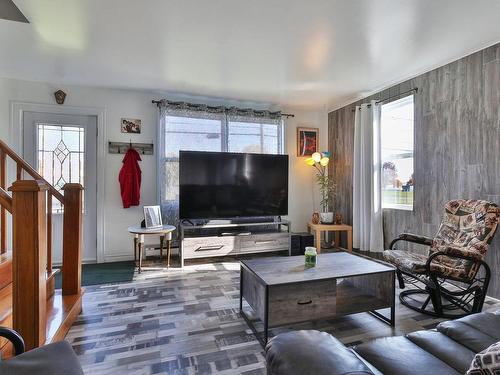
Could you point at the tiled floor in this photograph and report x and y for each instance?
(187, 322)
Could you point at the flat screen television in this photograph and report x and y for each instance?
(215, 185)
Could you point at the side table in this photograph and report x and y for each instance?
(316, 229)
(165, 233)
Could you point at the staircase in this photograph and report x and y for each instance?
(28, 300)
(5, 293)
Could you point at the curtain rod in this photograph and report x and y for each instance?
(157, 102)
(415, 90)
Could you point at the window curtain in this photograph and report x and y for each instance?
(367, 206)
(194, 127)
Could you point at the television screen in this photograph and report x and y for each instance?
(228, 185)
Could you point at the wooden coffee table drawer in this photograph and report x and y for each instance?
(209, 246)
(294, 303)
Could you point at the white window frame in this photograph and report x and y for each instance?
(398, 206)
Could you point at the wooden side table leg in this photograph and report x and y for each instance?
(349, 240)
(162, 242)
(168, 252)
(337, 239)
(141, 249)
(135, 248)
(318, 241)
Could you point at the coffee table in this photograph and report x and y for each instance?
(282, 291)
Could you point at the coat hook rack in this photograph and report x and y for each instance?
(122, 147)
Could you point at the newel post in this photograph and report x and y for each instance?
(29, 258)
(72, 239)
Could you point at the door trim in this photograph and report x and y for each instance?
(17, 109)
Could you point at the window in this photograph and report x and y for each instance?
(253, 137)
(201, 131)
(188, 134)
(397, 144)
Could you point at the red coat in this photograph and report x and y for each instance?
(130, 179)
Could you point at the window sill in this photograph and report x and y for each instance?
(402, 207)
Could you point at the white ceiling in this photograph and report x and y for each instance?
(309, 53)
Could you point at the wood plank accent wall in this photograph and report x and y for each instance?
(457, 146)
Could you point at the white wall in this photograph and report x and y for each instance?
(304, 197)
(137, 104)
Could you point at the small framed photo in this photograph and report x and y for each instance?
(307, 141)
(131, 125)
(152, 217)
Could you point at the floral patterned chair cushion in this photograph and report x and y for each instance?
(467, 229)
(415, 263)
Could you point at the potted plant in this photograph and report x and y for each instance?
(325, 182)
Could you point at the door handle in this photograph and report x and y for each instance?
(210, 248)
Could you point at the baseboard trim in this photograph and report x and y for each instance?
(128, 256)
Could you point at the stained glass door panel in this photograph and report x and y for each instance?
(62, 148)
(61, 151)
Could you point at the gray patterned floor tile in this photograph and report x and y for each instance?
(186, 321)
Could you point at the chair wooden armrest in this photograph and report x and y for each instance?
(414, 238)
(456, 254)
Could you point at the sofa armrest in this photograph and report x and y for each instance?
(311, 352)
(15, 338)
(53, 359)
(409, 237)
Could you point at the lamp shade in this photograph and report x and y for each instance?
(310, 161)
(316, 157)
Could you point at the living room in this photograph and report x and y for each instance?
(235, 188)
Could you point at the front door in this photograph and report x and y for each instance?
(62, 148)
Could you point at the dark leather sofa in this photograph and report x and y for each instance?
(446, 350)
(53, 359)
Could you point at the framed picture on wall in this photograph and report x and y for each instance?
(307, 141)
(131, 125)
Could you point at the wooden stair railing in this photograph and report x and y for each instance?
(37, 313)
(23, 166)
(5, 201)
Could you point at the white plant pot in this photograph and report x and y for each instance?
(326, 217)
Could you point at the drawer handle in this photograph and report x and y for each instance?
(209, 248)
(264, 242)
(304, 302)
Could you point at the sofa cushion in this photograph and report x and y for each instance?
(399, 355)
(486, 362)
(476, 332)
(486, 322)
(311, 352)
(53, 359)
(441, 346)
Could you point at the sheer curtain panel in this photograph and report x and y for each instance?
(367, 205)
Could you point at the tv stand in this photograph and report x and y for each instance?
(243, 220)
(223, 239)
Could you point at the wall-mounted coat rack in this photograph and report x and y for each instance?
(122, 147)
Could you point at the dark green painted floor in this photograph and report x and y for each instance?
(104, 273)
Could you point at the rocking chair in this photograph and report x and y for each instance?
(453, 276)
